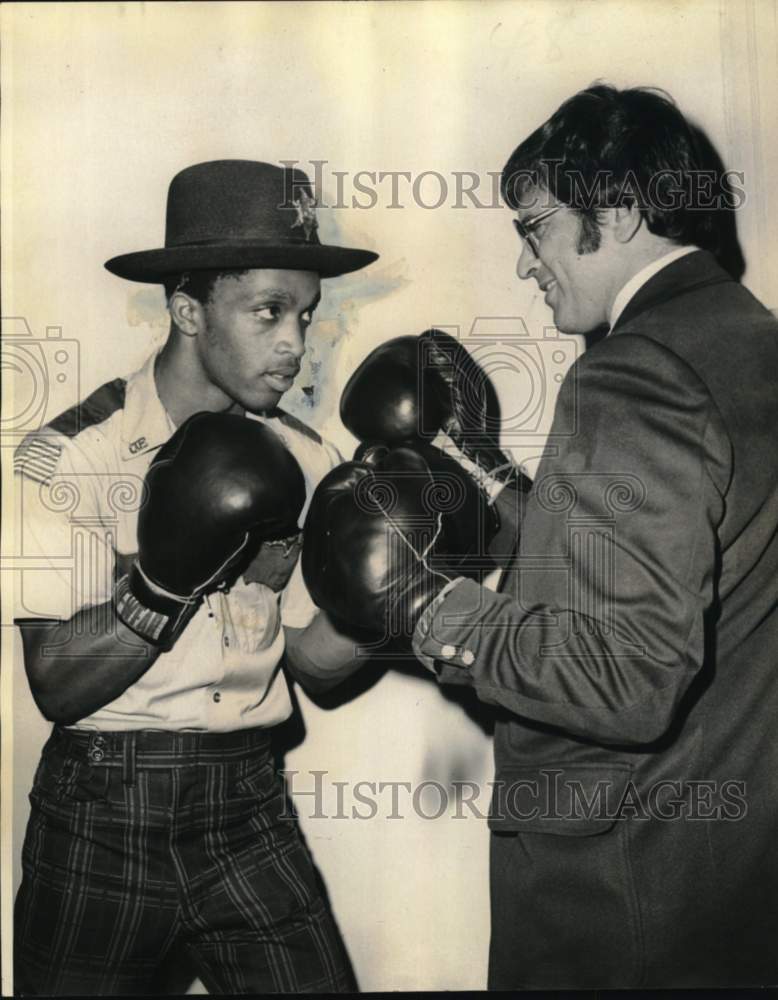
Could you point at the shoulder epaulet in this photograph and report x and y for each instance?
(297, 425)
(96, 408)
(38, 455)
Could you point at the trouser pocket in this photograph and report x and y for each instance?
(565, 912)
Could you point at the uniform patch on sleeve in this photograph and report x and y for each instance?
(37, 458)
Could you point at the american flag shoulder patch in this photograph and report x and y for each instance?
(37, 457)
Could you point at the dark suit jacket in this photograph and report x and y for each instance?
(634, 653)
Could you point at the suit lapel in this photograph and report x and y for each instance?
(695, 270)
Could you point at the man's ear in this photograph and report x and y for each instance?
(186, 313)
(625, 222)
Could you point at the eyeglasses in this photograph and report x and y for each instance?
(526, 230)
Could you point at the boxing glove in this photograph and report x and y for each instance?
(220, 487)
(411, 388)
(383, 537)
(429, 389)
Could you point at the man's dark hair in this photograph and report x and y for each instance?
(606, 147)
(198, 284)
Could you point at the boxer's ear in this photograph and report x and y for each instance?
(186, 313)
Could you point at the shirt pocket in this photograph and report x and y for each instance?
(252, 616)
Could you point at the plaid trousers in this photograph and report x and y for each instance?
(141, 842)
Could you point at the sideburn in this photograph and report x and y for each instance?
(589, 235)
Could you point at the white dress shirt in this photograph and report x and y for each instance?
(637, 281)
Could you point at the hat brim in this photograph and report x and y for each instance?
(155, 266)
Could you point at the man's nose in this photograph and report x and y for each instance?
(528, 263)
(292, 339)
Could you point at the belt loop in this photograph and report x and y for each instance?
(128, 759)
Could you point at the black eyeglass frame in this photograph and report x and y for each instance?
(526, 230)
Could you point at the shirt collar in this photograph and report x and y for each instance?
(637, 281)
(146, 424)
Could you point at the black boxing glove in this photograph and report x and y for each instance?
(470, 398)
(382, 539)
(221, 486)
(390, 398)
(429, 389)
(488, 520)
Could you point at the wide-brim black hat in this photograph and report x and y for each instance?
(239, 214)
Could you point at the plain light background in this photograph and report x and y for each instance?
(104, 103)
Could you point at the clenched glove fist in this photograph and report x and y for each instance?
(384, 536)
(428, 391)
(220, 487)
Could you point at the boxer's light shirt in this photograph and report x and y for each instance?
(80, 489)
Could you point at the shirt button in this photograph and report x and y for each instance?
(217, 696)
(447, 652)
(226, 640)
(468, 657)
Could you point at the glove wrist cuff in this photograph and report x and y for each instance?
(151, 612)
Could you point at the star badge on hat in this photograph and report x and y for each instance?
(306, 214)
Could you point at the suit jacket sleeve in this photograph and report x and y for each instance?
(602, 624)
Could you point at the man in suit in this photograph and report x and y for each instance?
(632, 646)
(634, 642)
